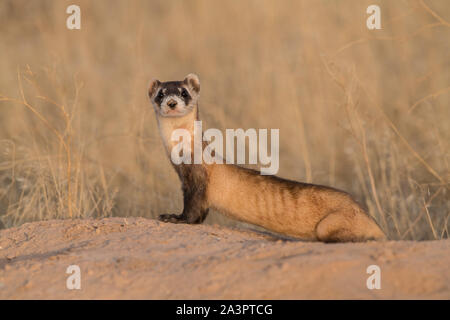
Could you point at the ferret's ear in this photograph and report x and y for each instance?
(153, 86)
(193, 82)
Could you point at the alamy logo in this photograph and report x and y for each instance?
(213, 152)
(374, 20)
(74, 280)
(74, 20)
(374, 281)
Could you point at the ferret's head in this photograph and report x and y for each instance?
(174, 98)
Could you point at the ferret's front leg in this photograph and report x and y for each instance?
(195, 209)
(173, 218)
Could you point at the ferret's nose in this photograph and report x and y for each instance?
(172, 104)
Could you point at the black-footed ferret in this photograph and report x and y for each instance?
(295, 209)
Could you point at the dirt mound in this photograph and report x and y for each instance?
(128, 258)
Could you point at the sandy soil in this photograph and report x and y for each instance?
(140, 258)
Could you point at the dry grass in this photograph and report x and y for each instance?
(364, 111)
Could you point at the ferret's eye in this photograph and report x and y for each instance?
(184, 93)
(160, 94)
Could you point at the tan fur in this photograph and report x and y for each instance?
(305, 212)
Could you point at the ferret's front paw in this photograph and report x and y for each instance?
(173, 218)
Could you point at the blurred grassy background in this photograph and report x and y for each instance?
(364, 111)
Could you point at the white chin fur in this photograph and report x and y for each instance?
(173, 113)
